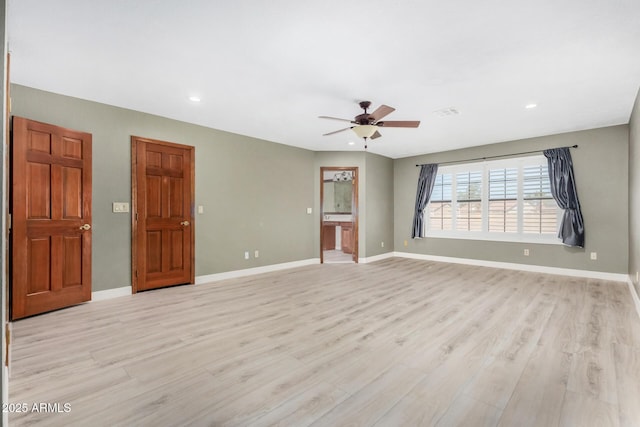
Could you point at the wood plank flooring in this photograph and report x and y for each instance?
(394, 343)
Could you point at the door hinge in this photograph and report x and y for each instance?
(136, 273)
(9, 221)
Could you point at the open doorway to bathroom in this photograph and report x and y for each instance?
(339, 214)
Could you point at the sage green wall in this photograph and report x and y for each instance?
(600, 165)
(379, 204)
(255, 193)
(634, 193)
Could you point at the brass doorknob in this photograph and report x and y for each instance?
(185, 223)
(85, 227)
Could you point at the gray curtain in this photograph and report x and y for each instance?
(425, 187)
(563, 189)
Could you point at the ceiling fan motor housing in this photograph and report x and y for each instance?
(363, 119)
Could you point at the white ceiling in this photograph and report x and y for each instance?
(268, 69)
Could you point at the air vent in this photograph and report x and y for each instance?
(444, 112)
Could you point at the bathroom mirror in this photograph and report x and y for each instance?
(337, 197)
(338, 192)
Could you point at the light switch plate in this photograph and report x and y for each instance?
(120, 207)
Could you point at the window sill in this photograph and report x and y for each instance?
(546, 240)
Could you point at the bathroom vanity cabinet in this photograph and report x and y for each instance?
(329, 236)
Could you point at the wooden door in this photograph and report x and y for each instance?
(328, 236)
(51, 218)
(163, 231)
(347, 237)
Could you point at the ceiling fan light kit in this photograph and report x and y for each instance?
(366, 125)
(365, 131)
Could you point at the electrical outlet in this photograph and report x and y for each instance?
(309, 211)
(594, 256)
(256, 254)
(526, 252)
(406, 243)
(246, 255)
(382, 244)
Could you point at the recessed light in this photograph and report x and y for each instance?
(351, 143)
(194, 98)
(530, 106)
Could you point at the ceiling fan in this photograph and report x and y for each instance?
(366, 125)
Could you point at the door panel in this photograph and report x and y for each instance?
(154, 197)
(176, 203)
(71, 193)
(50, 205)
(38, 279)
(177, 250)
(39, 176)
(72, 271)
(163, 188)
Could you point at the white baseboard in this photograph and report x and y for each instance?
(257, 270)
(375, 258)
(110, 293)
(602, 275)
(126, 290)
(634, 294)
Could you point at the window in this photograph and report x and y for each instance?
(468, 201)
(440, 203)
(503, 200)
(540, 210)
(495, 200)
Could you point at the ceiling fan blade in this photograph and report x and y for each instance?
(337, 131)
(376, 135)
(400, 124)
(381, 112)
(336, 118)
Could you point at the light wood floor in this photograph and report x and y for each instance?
(394, 343)
(336, 256)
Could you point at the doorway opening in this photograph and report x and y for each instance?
(338, 214)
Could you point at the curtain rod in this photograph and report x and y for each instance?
(496, 157)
